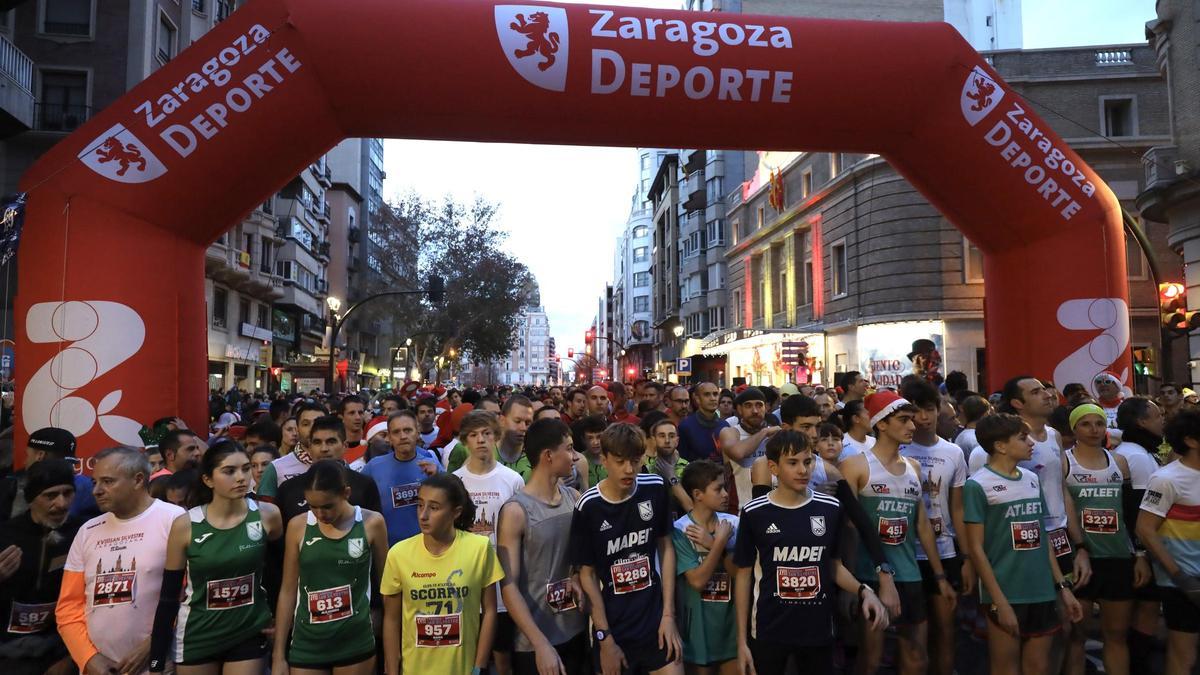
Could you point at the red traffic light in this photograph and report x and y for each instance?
(631, 371)
(589, 336)
(1171, 290)
(570, 352)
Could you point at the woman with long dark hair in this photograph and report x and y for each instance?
(215, 554)
(332, 558)
(439, 588)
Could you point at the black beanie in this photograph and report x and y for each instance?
(46, 474)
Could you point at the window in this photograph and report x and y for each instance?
(806, 184)
(639, 254)
(734, 228)
(972, 263)
(268, 249)
(224, 9)
(219, 306)
(737, 308)
(244, 310)
(835, 164)
(757, 285)
(640, 231)
(641, 279)
(760, 217)
(198, 6)
(716, 318)
(779, 292)
(803, 253)
(715, 191)
(641, 303)
(63, 104)
(838, 266)
(716, 276)
(1118, 116)
(67, 17)
(716, 233)
(165, 39)
(264, 316)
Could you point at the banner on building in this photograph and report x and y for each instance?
(887, 352)
(12, 218)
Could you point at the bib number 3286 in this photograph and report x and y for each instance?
(631, 575)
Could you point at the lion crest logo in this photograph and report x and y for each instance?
(535, 42)
(980, 95)
(118, 155)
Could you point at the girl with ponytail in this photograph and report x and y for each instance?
(457, 571)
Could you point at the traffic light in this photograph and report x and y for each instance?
(1172, 308)
(589, 336)
(631, 371)
(437, 288)
(570, 352)
(1144, 361)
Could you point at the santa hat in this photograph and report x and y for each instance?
(883, 403)
(377, 425)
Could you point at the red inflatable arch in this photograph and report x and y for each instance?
(121, 211)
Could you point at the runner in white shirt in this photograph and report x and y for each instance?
(114, 569)
(943, 475)
(970, 411)
(490, 485)
(856, 422)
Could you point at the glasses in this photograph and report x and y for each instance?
(680, 400)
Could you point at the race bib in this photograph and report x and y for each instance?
(26, 619)
(330, 604)
(439, 630)
(1100, 521)
(231, 593)
(717, 589)
(1026, 535)
(798, 583)
(405, 495)
(559, 597)
(936, 523)
(114, 588)
(631, 575)
(1060, 542)
(892, 531)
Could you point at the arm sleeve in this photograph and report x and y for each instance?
(164, 619)
(854, 511)
(370, 497)
(580, 552)
(72, 619)
(1130, 499)
(744, 552)
(974, 503)
(685, 554)
(1159, 497)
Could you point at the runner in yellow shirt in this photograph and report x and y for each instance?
(434, 585)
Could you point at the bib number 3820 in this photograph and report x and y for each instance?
(631, 575)
(798, 583)
(330, 604)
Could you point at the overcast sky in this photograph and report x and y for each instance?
(563, 206)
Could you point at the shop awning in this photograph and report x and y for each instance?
(742, 338)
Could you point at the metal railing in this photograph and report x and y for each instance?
(54, 117)
(16, 65)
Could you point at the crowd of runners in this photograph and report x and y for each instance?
(643, 528)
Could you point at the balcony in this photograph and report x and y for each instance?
(354, 234)
(64, 118)
(323, 249)
(16, 90)
(692, 191)
(1163, 166)
(327, 212)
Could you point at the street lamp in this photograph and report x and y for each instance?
(678, 330)
(334, 304)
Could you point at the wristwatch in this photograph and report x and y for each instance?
(600, 635)
(885, 568)
(1065, 585)
(674, 481)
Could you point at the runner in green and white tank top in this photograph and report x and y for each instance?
(222, 543)
(1097, 496)
(334, 555)
(224, 599)
(892, 501)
